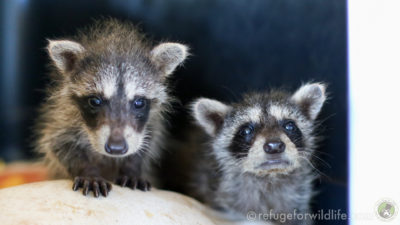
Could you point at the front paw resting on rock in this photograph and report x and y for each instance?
(133, 183)
(95, 184)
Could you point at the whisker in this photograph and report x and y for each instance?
(323, 162)
(312, 165)
(316, 151)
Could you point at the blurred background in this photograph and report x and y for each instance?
(236, 46)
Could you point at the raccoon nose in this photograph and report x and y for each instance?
(116, 146)
(273, 147)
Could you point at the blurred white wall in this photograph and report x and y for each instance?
(374, 68)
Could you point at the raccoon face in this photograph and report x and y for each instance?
(266, 133)
(117, 96)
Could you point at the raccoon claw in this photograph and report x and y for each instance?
(124, 181)
(143, 185)
(95, 184)
(134, 183)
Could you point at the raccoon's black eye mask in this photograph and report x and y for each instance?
(139, 103)
(243, 140)
(94, 108)
(247, 131)
(140, 107)
(89, 107)
(292, 131)
(95, 101)
(89, 103)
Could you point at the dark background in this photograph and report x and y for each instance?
(236, 46)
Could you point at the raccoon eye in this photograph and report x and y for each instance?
(247, 130)
(139, 103)
(95, 102)
(289, 126)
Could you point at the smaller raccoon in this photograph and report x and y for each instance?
(251, 156)
(103, 117)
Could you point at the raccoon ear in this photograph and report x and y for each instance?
(167, 56)
(64, 53)
(310, 98)
(210, 114)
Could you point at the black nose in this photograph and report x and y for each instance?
(116, 146)
(273, 147)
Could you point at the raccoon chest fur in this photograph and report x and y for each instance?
(244, 193)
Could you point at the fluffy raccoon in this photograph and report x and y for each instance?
(251, 156)
(103, 117)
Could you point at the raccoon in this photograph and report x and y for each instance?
(102, 120)
(251, 156)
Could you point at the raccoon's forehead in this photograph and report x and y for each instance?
(110, 80)
(264, 113)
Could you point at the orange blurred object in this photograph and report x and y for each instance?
(21, 173)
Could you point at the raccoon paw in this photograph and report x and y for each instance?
(95, 184)
(133, 183)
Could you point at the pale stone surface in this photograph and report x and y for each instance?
(54, 202)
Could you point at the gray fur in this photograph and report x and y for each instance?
(207, 169)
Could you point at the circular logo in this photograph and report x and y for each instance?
(386, 209)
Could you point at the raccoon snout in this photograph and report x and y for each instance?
(274, 147)
(116, 146)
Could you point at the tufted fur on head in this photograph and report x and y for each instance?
(107, 97)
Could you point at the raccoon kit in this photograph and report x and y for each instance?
(251, 156)
(102, 119)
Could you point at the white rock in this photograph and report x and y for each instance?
(54, 202)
